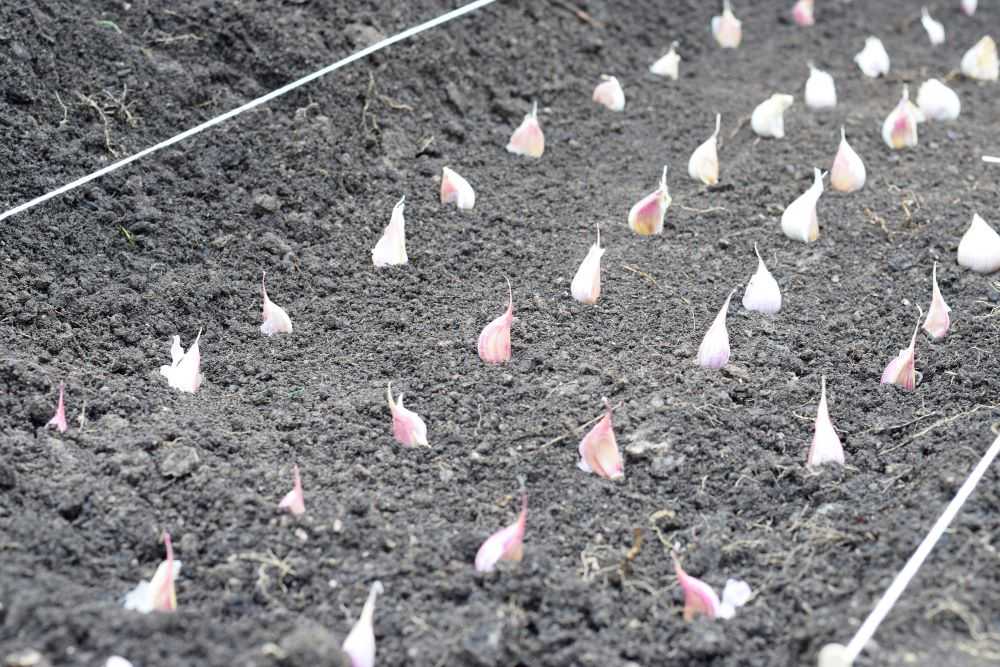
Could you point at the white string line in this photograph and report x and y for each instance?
(892, 594)
(988, 158)
(409, 32)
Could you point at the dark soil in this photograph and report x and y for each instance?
(96, 282)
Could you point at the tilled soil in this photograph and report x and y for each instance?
(97, 281)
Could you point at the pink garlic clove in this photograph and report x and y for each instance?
(275, 318)
(494, 340)
(599, 450)
(360, 643)
(294, 501)
(505, 544)
(528, 138)
(646, 216)
(714, 349)
(58, 420)
(938, 319)
(825, 447)
(407, 426)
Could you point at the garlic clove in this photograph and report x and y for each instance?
(937, 101)
(391, 248)
(979, 249)
(159, 593)
(762, 293)
(494, 340)
(505, 544)
(668, 65)
(456, 189)
(935, 31)
(699, 598)
(586, 285)
(408, 427)
(294, 501)
(821, 92)
(873, 60)
(276, 320)
(938, 319)
(799, 221)
(802, 13)
(900, 127)
(825, 447)
(58, 420)
(360, 642)
(767, 119)
(726, 28)
(528, 138)
(599, 452)
(609, 93)
(704, 163)
(646, 216)
(714, 349)
(184, 372)
(969, 7)
(848, 173)
(901, 370)
(980, 62)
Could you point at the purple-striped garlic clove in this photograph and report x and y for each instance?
(599, 452)
(494, 340)
(58, 421)
(455, 189)
(505, 544)
(848, 173)
(294, 501)
(645, 218)
(408, 427)
(714, 349)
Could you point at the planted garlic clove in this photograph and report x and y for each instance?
(494, 340)
(668, 65)
(935, 31)
(528, 138)
(802, 13)
(873, 59)
(699, 598)
(276, 320)
(456, 189)
(714, 349)
(969, 7)
(937, 101)
(391, 248)
(979, 249)
(768, 119)
(184, 373)
(408, 427)
(762, 293)
(980, 62)
(505, 544)
(609, 93)
(58, 420)
(900, 127)
(586, 285)
(848, 173)
(821, 93)
(159, 593)
(726, 28)
(938, 318)
(991, 159)
(704, 163)
(825, 447)
(646, 216)
(294, 501)
(799, 221)
(360, 642)
(901, 370)
(599, 449)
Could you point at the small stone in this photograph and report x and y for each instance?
(26, 658)
(362, 35)
(179, 461)
(481, 645)
(265, 203)
(310, 645)
(188, 544)
(833, 655)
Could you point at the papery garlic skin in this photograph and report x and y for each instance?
(646, 216)
(937, 101)
(726, 28)
(802, 13)
(825, 447)
(901, 370)
(980, 62)
(456, 189)
(935, 31)
(117, 661)
(183, 373)
(873, 60)
(799, 221)
(938, 314)
(391, 247)
(609, 94)
(586, 285)
(768, 119)
(900, 127)
(494, 340)
(408, 427)
(58, 420)
(505, 544)
(528, 138)
(762, 293)
(704, 163)
(848, 173)
(821, 92)
(969, 7)
(360, 642)
(979, 249)
(276, 320)
(735, 594)
(158, 594)
(599, 452)
(294, 501)
(668, 65)
(714, 349)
